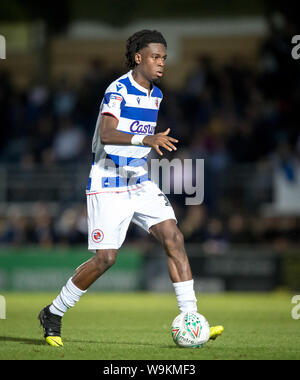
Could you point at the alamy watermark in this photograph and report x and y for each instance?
(296, 309)
(296, 49)
(2, 307)
(185, 176)
(2, 47)
(181, 177)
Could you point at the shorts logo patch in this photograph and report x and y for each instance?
(97, 236)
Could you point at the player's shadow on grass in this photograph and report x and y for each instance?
(119, 343)
(40, 342)
(21, 340)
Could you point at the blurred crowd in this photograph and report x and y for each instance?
(228, 114)
(215, 234)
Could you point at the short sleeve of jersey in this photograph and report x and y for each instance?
(114, 100)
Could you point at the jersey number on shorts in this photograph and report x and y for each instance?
(166, 199)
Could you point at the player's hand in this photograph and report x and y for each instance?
(160, 140)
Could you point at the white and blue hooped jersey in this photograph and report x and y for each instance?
(123, 167)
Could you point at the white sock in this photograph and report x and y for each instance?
(185, 295)
(67, 298)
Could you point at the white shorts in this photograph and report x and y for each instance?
(110, 213)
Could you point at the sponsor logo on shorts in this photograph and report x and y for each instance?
(97, 236)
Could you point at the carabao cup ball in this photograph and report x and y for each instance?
(190, 329)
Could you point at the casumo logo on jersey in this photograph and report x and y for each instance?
(136, 127)
(97, 236)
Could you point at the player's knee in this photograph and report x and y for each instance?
(105, 260)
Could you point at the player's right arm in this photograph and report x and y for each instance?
(160, 140)
(114, 100)
(111, 136)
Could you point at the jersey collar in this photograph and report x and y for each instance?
(138, 86)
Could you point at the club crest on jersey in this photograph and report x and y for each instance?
(97, 236)
(156, 102)
(138, 99)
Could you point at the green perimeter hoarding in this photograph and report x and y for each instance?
(36, 269)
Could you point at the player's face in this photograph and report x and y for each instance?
(151, 61)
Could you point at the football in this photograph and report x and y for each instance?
(190, 329)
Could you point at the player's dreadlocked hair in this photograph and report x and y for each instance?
(138, 41)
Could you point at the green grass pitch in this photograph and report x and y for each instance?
(135, 326)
